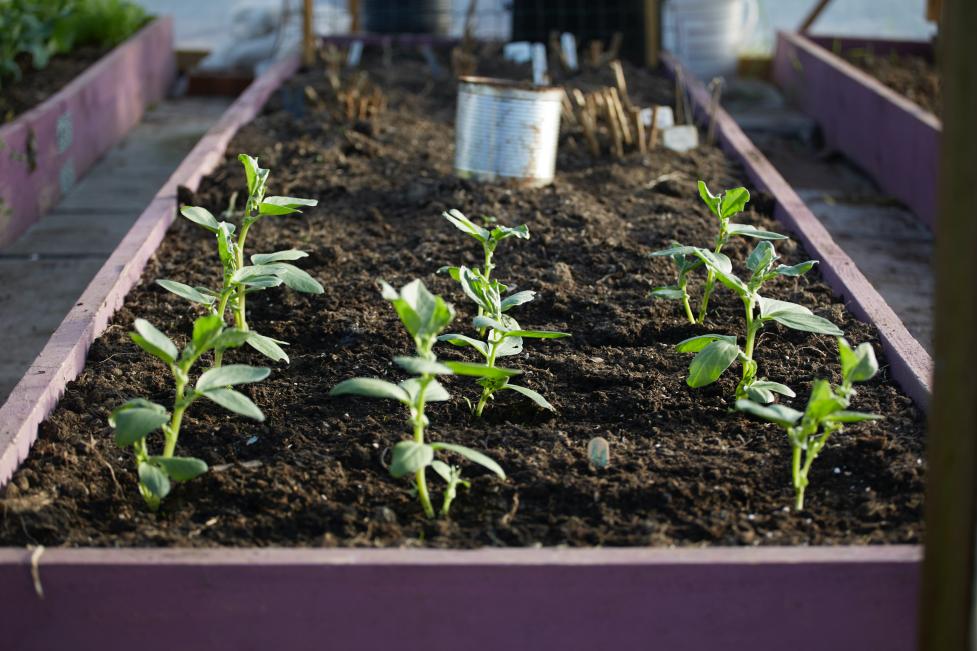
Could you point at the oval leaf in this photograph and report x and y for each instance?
(201, 216)
(711, 362)
(185, 291)
(180, 468)
(154, 479)
(136, 419)
(532, 395)
(230, 375)
(278, 256)
(371, 388)
(270, 348)
(480, 370)
(235, 401)
(153, 341)
(419, 366)
(472, 455)
(409, 457)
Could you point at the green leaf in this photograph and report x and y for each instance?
(371, 388)
(180, 468)
(186, 291)
(409, 457)
(231, 338)
(858, 365)
(463, 340)
(231, 375)
(762, 391)
(420, 366)
(676, 250)
(509, 346)
(270, 348)
(796, 317)
(466, 225)
(235, 401)
(761, 257)
(776, 387)
(422, 313)
(795, 270)
(201, 217)
(779, 414)
(454, 272)
(518, 298)
(153, 341)
(734, 201)
(443, 470)
(250, 171)
(291, 275)
(283, 205)
(226, 246)
(843, 416)
(136, 419)
(537, 334)
(206, 331)
(718, 262)
(258, 283)
(695, 344)
(435, 391)
(278, 256)
(710, 199)
(479, 290)
(480, 322)
(472, 455)
(668, 293)
(711, 362)
(532, 395)
(745, 230)
(154, 479)
(480, 370)
(500, 233)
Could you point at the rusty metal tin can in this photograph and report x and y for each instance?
(506, 130)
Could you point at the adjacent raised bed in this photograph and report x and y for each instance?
(46, 149)
(894, 139)
(546, 598)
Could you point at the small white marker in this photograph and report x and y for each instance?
(355, 54)
(539, 64)
(569, 44)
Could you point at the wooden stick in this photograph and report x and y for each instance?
(653, 132)
(622, 84)
(590, 132)
(653, 32)
(639, 129)
(612, 119)
(308, 37)
(622, 117)
(814, 14)
(353, 6)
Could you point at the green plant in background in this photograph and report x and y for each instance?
(724, 207)
(102, 23)
(715, 353)
(503, 336)
(425, 316)
(137, 419)
(826, 413)
(266, 269)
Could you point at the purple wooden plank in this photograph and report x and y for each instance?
(895, 140)
(47, 148)
(809, 599)
(63, 357)
(877, 46)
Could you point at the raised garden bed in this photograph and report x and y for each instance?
(44, 150)
(312, 474)
(886, 133)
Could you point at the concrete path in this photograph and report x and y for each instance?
(44, 272)
(886, 240)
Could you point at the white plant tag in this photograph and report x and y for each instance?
(664, 120)
(518, 51)
(681, 138)
(569, 44)
(539, 64)
(355, 54)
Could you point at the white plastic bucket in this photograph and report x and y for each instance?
(706, 35)
(506, 130)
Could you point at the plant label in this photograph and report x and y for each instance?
(569, 44)
(681, 138)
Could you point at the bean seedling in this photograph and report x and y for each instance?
(724, 207)
(502, 335)
(715, 353)
(425, 316)
(137, 419)
(266, 269)
(826, 413)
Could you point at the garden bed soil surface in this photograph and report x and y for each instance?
(685, 470)
(37, 85)
(914, 77)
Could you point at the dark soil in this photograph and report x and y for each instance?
(37, 85)
(914, 77)
(684, 469)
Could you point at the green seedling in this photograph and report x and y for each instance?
(715, 353)
(425, 316)
(266, 270)
(685, 263)
(826, 413)
(137, 419)
(724, 207)
(500, 335)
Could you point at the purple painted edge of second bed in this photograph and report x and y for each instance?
(63, 357)
(911, 366)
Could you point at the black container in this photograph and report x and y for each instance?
(587, 20)
(406, 16)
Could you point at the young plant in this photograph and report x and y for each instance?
(266, 269)
(500, 334)
(826, 413)
(425, 316)
(724, 206)
(716, 353)
(685, 262)
(137, 419)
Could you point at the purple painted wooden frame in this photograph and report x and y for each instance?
(734, 599)
(675, 599)
(45, 150)
(894, 139)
